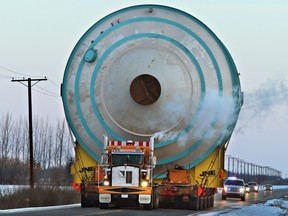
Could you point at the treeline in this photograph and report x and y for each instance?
(52, 150)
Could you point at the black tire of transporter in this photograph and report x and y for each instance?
(155, 199)
(194, 203)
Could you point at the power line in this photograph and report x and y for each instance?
(12, 71)
(50, 92)
(54, 83)
(51, 95)
(6, 77)
(27, 75)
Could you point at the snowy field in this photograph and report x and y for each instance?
(10, 189)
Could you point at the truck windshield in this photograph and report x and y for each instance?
(135, 159)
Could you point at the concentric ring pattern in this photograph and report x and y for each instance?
(152, 70)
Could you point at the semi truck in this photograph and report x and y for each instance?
(151, 71)
(128, 174)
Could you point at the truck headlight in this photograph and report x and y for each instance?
(256, 187)
(144, 183)
(106, 183)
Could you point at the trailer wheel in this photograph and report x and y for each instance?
(194, 203)
(155, 199)
(177, 204)
(205, 202)
(85, 202)
(163, 203)
(212, 201)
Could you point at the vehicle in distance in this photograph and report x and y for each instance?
(247, 189)
(234, 188)
(253, 187)
(268, 187)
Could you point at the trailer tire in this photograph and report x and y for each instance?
(205, 203)
(85, 202)
(212, 201)
(201, 203)
(155, 199)
(163, 203)
(194, 203)
(177, 204)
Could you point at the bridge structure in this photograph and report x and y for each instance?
(251, 171)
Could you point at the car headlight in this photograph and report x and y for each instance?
(225, 189)
(256, 187)
(106, 183)
(144, 183)
(241, 190)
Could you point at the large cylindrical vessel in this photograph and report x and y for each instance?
(152, 70)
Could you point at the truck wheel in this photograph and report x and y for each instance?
(103, 205)
(148, 206)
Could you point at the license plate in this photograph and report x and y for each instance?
(124, 195)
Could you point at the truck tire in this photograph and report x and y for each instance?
(103, 205)
(150, 205)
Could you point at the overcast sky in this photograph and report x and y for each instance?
(37, 38)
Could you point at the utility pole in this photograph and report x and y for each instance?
(29, 85)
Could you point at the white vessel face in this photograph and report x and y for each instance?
(152, 69)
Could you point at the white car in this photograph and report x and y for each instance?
(234, 188)
(253, 187)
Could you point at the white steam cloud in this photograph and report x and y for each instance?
(213, 119)
(263, 102)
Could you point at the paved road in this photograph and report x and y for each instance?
(220, 205)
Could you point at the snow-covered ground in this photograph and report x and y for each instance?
(274, 207)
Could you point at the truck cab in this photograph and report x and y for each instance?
(128, 171)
